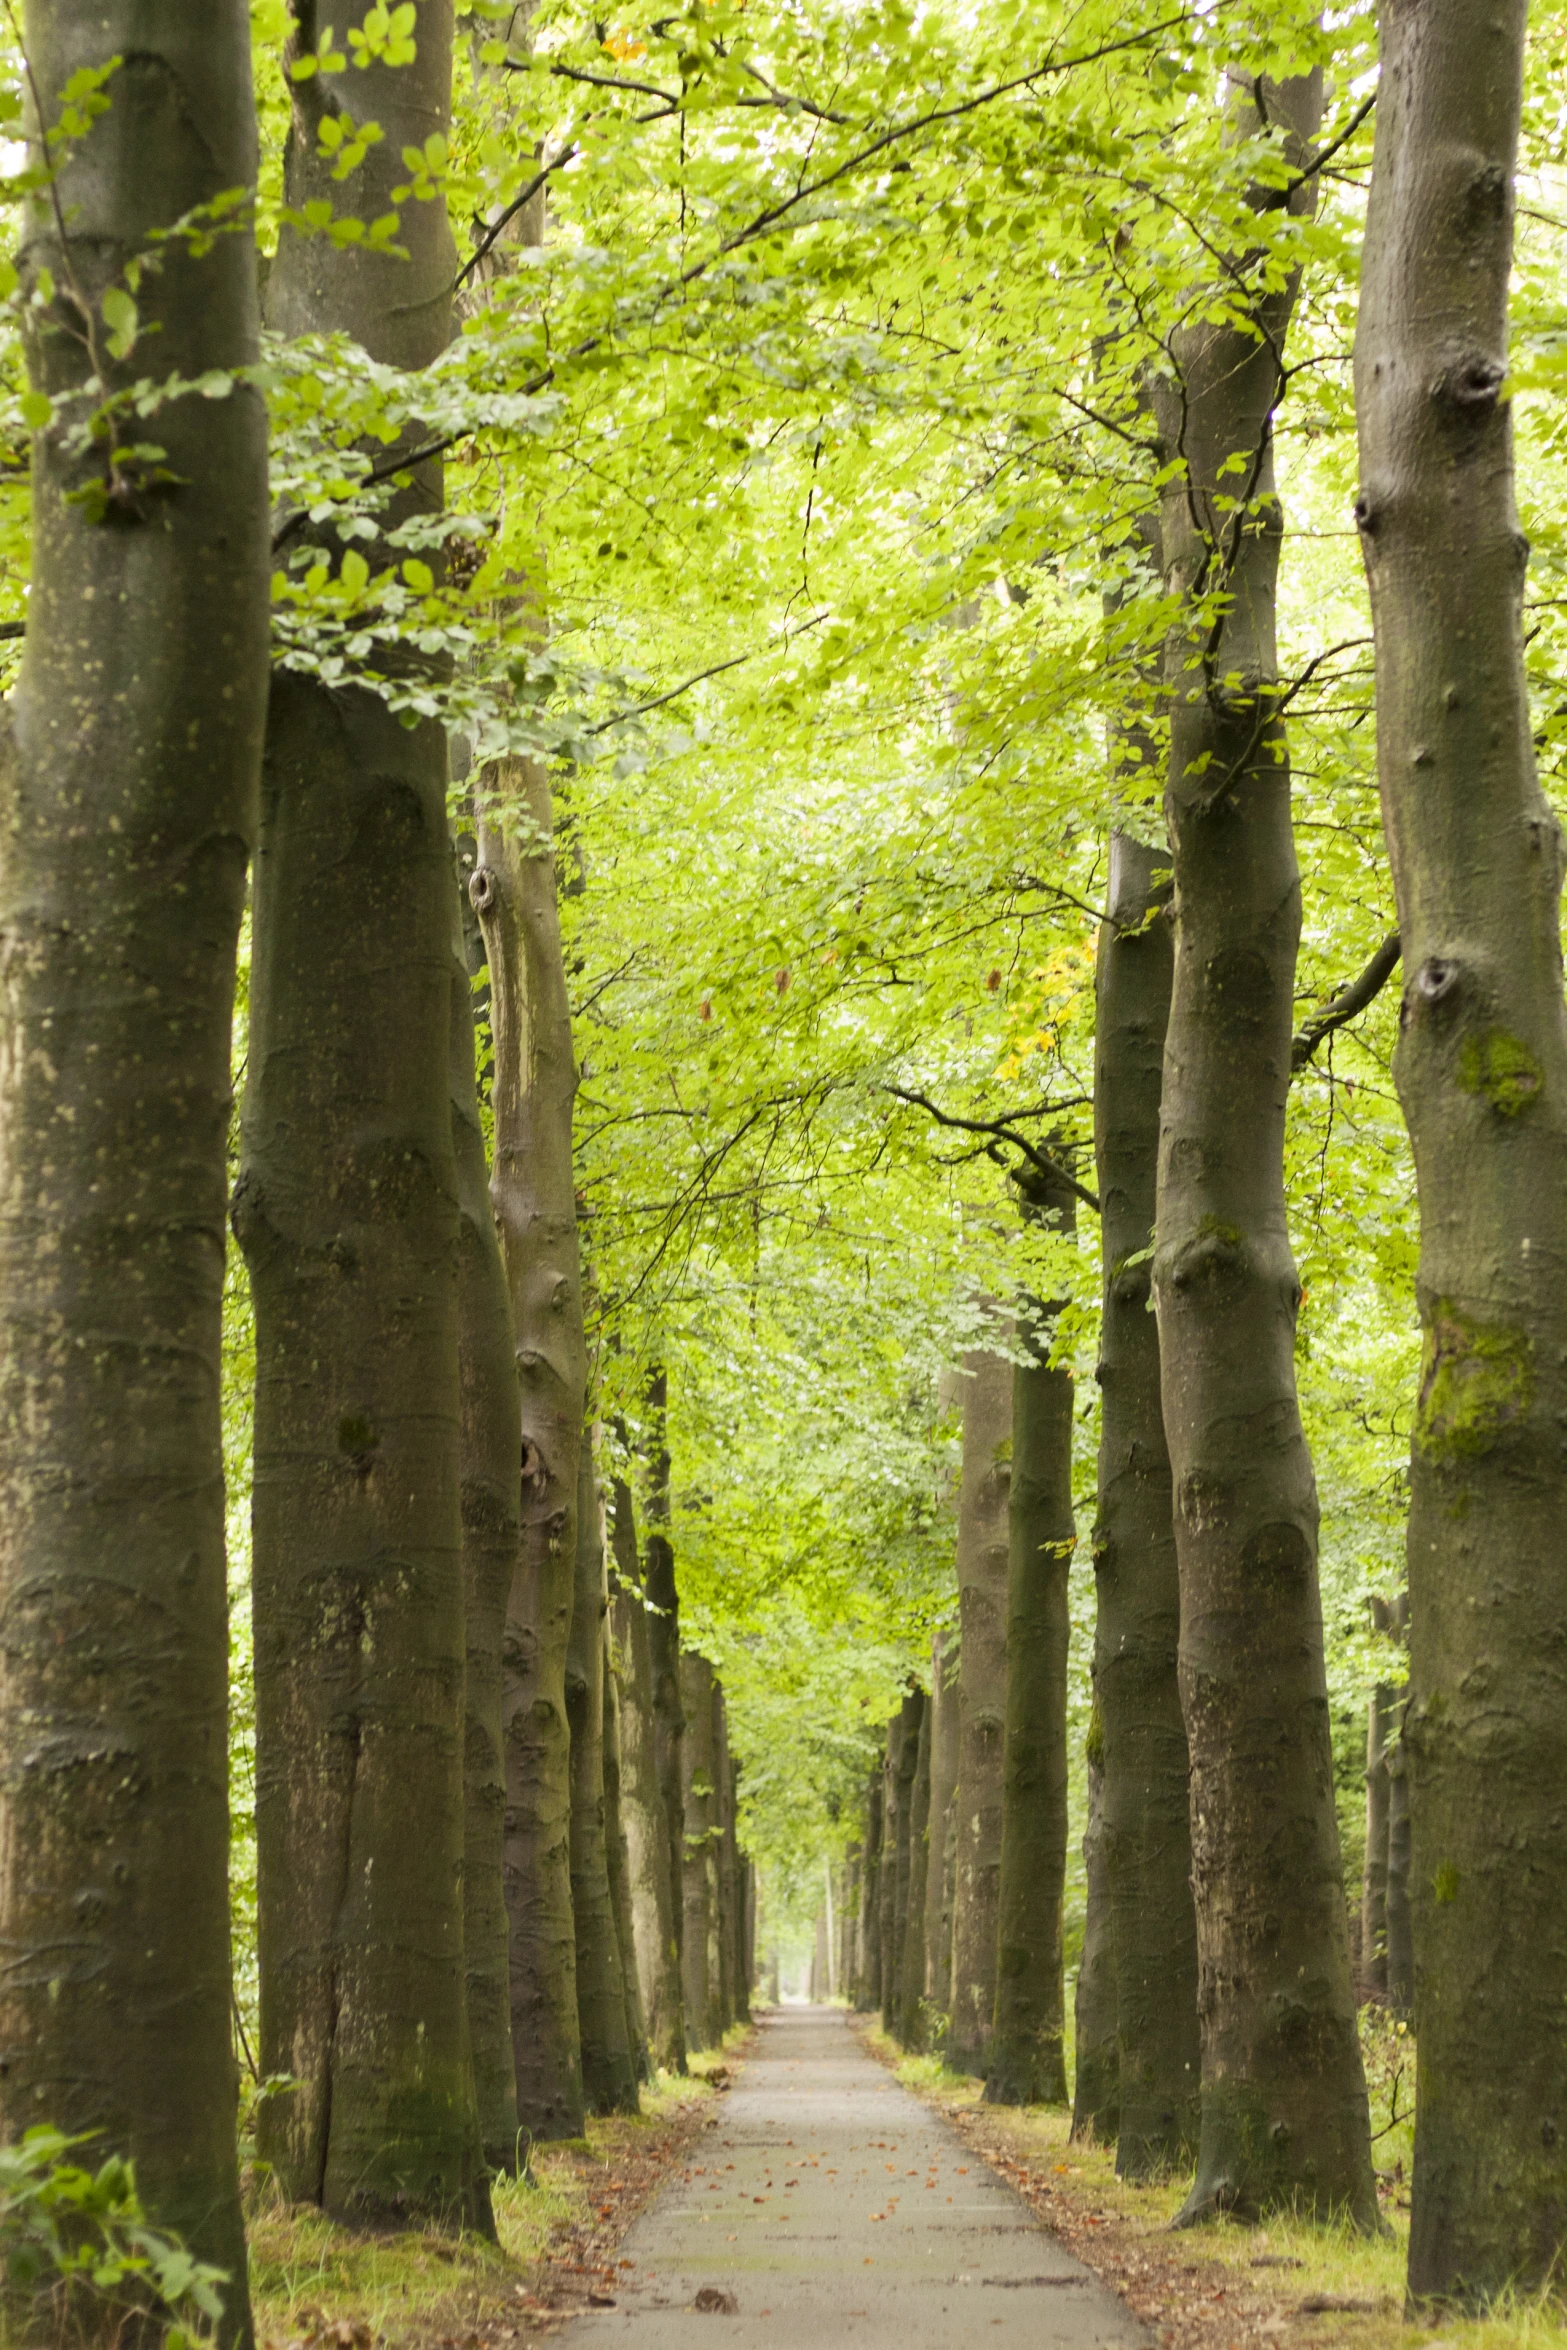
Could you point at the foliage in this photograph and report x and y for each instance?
(79, 2240)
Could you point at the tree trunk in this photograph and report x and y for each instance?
(700, 1814)
(491, 1539)
(513, 890)
(663, 1628)
(1096, 2103)
(911, 2020)
(1284, 2118)
(895, 1861)
(609, 2083)
(982, 1698)
(723, 1853)
(729, 1875)
(128, 779)
(943, 1785)
(1145, 1819)
(618, 1855)
(1373, 1896)
(642, 1807)
(1400, 1922)
(1481, 1066)
(347, 1212)
(867, 1995)
(1027, 2058)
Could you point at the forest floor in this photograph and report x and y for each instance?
(315, 2286)
(1226, 2286)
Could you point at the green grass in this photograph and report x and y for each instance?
(309, 2278)
(1332, 2259)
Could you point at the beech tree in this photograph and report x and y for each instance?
(129, 767)
(1481, 1066)
(982, 1695)
(347, 1212)
(1283, 2099)
(1145, 1819)
(1027, 2058)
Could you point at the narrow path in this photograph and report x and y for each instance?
(835, 2208)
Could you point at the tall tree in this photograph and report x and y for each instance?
(943, 1785)
(491, 1549)
(129, 766)
(663, 1630)
(1145, 1820)
(867, 1986)
(911, 2004)
(533, 1188)
(609, 2083)
(1481, 1066)
(903, 1745)
(1373, 1891)
(726, 1857)
(1027, 2057)
(654, 1895)
(618, 1855)
(1284, 2118)
(347, 1212)
(1096, 2087)
(700, 1813)
(983, 1510)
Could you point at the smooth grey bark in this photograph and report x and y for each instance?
(348, 1215)
(867, 1990)
(618, 1856)
(533, 1189)
(903, 1761)
(698, 1877)
(609, 2082)
(892, 1828)
(491, 1550)
(1145, 1817)
(943, 1785)
(727, 1859)
(129, 767)
(1096, 2098)
(1284, 2120)
(1026, 2062)
(1373, 1891)
(663, 1628)
(642, 1810)
(983, 1543)
(1481, 1067)
(911, 2017)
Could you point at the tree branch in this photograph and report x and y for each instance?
(1002, 1130)
(1351, 999)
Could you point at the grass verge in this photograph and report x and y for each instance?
(1225, 2286)
(317, 2286)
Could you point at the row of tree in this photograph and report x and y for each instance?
(493, 1836)
(1216, 2014)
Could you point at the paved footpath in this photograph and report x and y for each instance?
(836, 2208)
